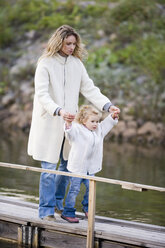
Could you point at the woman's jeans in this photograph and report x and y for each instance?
(70, 200)
(52, 188)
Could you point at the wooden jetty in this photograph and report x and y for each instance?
(19, 223)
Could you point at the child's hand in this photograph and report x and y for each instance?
(115, 115)
(68, 124)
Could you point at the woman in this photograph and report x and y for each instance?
(60, 77)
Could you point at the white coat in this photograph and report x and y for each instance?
(87, 146)
(58, 82)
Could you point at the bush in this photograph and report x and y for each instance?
(148, 54)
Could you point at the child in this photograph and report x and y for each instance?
(86, 136)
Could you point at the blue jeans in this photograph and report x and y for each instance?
(70, 200)
(52, 187)
(61, 183)
(47, 200)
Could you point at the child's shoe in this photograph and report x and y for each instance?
(70, 219)
(86, 213)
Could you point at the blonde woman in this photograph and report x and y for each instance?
(60, 77)
(86, 136)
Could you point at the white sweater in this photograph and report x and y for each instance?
(87, 146)
(58, 82)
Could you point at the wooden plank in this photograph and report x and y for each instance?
(97, 179)
(61, 239)
(131, 224)
(91, 214)
(36, 238)
(20, 235)
(12, 219)
(106, 229)
(16, 202)
(131, 187)
(132, 236)
(21, 214)
(8, 230)
(107, 244)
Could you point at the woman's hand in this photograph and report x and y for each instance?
(114, 109)
(67, 116)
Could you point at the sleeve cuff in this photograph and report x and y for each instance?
(57, 111)
(107, 106)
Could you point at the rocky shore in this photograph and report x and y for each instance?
(16, 102)
(17, 115)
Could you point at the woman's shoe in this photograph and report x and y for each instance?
(49, 218)
(59, 211)
(70, 219)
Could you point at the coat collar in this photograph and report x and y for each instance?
(63, 60)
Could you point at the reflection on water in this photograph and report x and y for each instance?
(121, 161)
(6, 244)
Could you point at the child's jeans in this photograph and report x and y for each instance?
(70, 201)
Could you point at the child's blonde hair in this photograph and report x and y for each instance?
(84, 113)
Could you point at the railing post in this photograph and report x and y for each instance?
(91, 214)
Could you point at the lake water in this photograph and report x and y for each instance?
(121, 161)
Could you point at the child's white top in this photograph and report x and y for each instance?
(87, 146)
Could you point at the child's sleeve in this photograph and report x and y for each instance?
(107, 124)
(71, 132)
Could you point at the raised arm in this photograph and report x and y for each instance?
(71, 130)
(107, 124)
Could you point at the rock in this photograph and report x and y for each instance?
(147, 129)
(14, 108)
(160, 127)
(119, 129)
(127, 118)
(113, 37)
(30, 34)
(129, 133)
(140, 80)
(126, 112)
(151, 139)
(160, 6)
(112, 5)
(28, 106)
(85, 4)
(27, 92)
(132, 124)
(101, 33)
(162, 96)
(29, 58)
(4, 114)
(140, 122)
(8, 99)
(101, 42)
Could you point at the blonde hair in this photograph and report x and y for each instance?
(56, 40)
(84, 113)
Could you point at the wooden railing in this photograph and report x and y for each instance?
(92, 191)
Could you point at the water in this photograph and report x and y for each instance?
(121, 161)
(7, 244)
